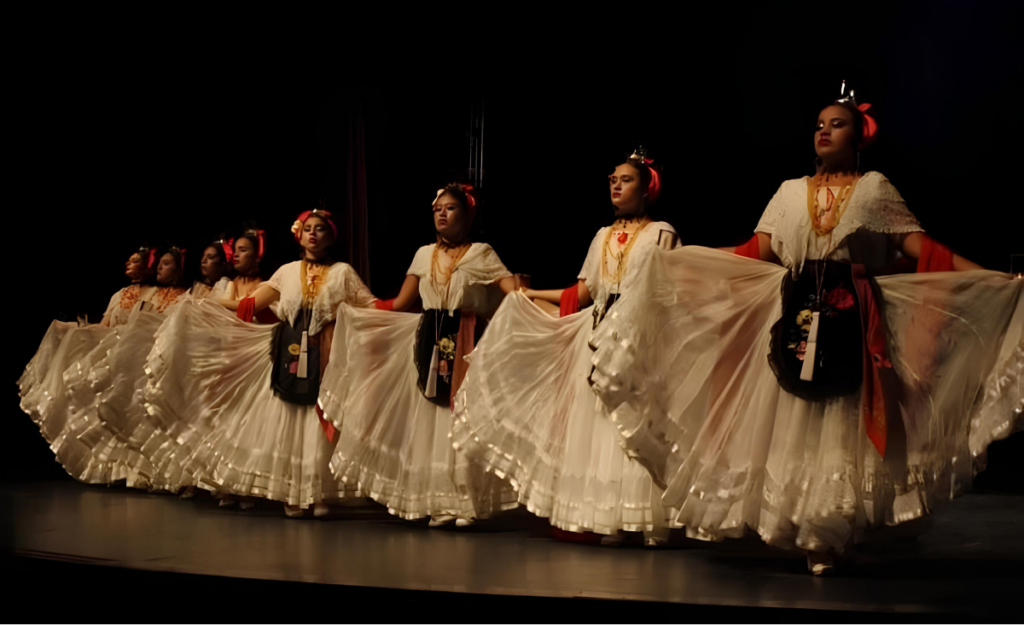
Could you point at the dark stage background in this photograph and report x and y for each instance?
(185, 151)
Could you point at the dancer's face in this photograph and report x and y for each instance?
(316, 236)
(135, 268)
(450, 218)
(834, 134)
(246, 256)
(625, 187)
(167, 270)
(210, 265)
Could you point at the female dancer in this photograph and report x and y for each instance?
(393, 407)
(69, 347)
(158, 291)
(253, 387)
(526, 409)
(248, 250)
(105, 390)
(861, 404)
(214, 266)
(245, 252)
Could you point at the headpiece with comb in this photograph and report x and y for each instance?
(148, 255)
(869, 129)
(472, 202)
(300, 221)
(639, 157)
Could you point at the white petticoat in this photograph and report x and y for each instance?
(44, 395)
(685, 370)
(526, 410)
(393, 442)
(220, 425)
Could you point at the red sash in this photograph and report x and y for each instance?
(750, 249)
(872, 393)
(934, 257)
(570, 301)
(246, 309)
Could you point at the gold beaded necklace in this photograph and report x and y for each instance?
(620, 269)
(839, 205)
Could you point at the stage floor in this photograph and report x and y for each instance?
(968, 562)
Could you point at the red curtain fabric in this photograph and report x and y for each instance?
(353, 220)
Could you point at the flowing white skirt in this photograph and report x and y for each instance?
(684, 369)
(394, 442)
(527, 412)
(107, 402)
(66, 347)
(219, 424)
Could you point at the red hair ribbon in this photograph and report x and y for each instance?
(229, 250)
(654, 186)
(261, 237)
(471, 198)
(870, 131)
(304, 216)
(151, 259)
(261, 243)
(181, 255)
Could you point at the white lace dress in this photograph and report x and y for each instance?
(393, 441)
(527, 412)
(223, 426)
(694, 398)
(59, 387)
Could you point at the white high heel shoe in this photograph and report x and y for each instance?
(294, 512)
(440, 520)
(820, 564)
(614, 540)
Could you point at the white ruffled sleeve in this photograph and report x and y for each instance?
(277, 280)
(486, 267)
(355, 292)
(114, 301)
(287, 306)
(420, 266)
(773, 214)
(880, 208)
(591, 272)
